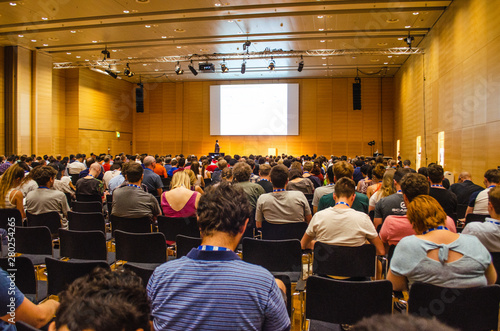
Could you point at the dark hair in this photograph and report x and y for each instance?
(400, 173)
(279, 176)
(134, 172)
(414, 185)
(423, 171)
(329, 173)
(494, 198)
(294, 173)
(265, 169)
(42, 175)
(435, 173)
(492, 176)
(115, 166)
(397, 322)
(223, 208)
(345, 187)
(406, 162)
(241, 172)
(104, 300)
(182, 162)
(195, 166)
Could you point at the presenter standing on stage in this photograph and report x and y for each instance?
(217, 148)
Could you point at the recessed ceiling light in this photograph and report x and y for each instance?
(33, 40)
(324, 64)
(45, 18)
(73, 31)
(321, 29)
(113, 50)
(13, 4)
(144, 64)
(179, 46)
(163, 37)
(130, 58)
(87, 60)
(147, 26)
(78, 56)
(320, 16)
(94, 41)
(126, 11)
(415, 13)
(217, 5)
(322, 41)
(20, 35)
(407, 26)
(69, 53)
(230, 21)
(389, 56)
(45, 45)
(179, 30)
(386, 62)
(392, 20)
(400, 38)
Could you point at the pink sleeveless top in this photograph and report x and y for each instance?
(188, 210)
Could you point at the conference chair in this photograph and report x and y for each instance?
(147, 250)
(92, 221)
(88, 198)
(9, 214)
(34, 242)
(83, 245)
(134, 225)
(26, 278)
(86, 206)
(52, 220)
(184, 244)
(461, 209)
(21, 326)
(143, 272)
(331, 301)
(62, 273)
(474, 218)
(172, 226)
(284, 231)
(473, 308)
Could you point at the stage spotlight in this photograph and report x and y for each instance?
(272, 64)
(243, 67)
(193, 70)
(223, 66)
(106, 54)
(409, 40)
(112, 74)
(178, 69)
(301, 64)
(127, 71)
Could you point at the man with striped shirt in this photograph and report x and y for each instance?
(211, 288)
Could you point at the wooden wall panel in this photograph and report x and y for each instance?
(45, 126)
(72, 111)
(462, 90)
(24, 101)
(176, 120)
(2, 101)
(59, 111)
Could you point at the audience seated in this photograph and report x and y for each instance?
(397, 227)
(131, 201)
(363, 184)
(14, 306)
(446, 198)
(192, 181)
(308, 167)
(478, 203)
(343, 169)
(436, 255)
(342, 225)
(180, 201)
(488, 232)
(103, 301)
(10, 197)
(160, 169)
(216, 175)
(45, 199)
(324, 190)
(90, 185)
(89, 163)
(282, 206)
(377, 176)
(114, 170)
(264, 171)
(211, 288)
(151, 180)
(241, 177)
(464, 188)
(298, 183)
(77, 166)
(195, 167)
(393, 204)
(385, 190)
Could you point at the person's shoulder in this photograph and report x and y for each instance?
(362, 196)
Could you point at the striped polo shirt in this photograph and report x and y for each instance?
(215, 290)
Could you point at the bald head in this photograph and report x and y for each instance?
(148, 161)
(95, 169)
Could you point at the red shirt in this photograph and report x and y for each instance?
(160, 170)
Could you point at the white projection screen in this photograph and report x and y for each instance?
(254, 110)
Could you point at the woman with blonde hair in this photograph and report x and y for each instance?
(436, 255)
(180, 201)
(377, 175)
(385, 190)
(10, 197)
(192, 180)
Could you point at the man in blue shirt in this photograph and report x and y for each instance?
(211, 288)
(151, 179)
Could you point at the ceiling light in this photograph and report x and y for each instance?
(230, 21)
(45, 18)
(113, 50)
(20, 35)
(415, 13)
(321, 29)
(126, 11)
(73, 31)
(33, 40)
(324, 64)
(78, 56)
(223, 66)
(389, 56)
(320, 16)
(301, 64)
(163, 37)
(127, 72)
(272, 64)
(323, 58)
(69, 53)
(407, 26)
(386, 62)
(147, 26)
(13, 4)
(45, 45)
(400, 38)
(106, 54)
(94, 41)
(112, 74)
(322, 41)
(217, 5)
(243, 67)
(192, 69)
(179, 46)
(178, 69)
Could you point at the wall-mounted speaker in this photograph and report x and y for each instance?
(139, 100)
(356, 96)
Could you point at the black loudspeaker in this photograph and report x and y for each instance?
(356, 96)
(139, 100)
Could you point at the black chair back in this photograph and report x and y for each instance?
(208, 181)
(344, 261)
(274, 255)
(272, 231)
(144, 273)
(62, 273)
(21, 326)
(74, 178)
(495, 259)
(185, 244)
(133, 225)
(288, 285)
(33, 240)
(474, 308)
(9, 214)
(109, 203)
(346, 302)
(310, 197)
(474, 218)
(172, 226)
(461, 209)
(25, 273)
(141, 247)
(88, 198)
(52, 220)
(86, 221)
(85, 245)
(86, 206)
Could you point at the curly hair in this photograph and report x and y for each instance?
(41, 175)
(223, 208)
(413, 185)
(241, 172)
(435, 173)
(378, 171)
(104, 300)
(424, 212)
(343, 169)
